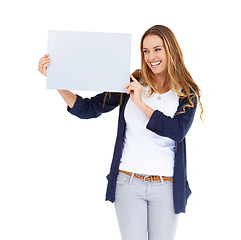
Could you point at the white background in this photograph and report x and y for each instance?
(53, 165)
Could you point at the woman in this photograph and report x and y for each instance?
(147, 180)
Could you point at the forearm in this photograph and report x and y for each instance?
(145, 109)
(175, 128)
(69, 97)
(86, 108)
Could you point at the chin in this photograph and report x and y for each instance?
(157, 72)
(160, 71)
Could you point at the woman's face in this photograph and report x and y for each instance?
(155, 54)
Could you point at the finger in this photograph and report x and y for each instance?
(127, 85)
(134, 79)
(132, 88)
(44, 63)
(44, 59)
(129, 89)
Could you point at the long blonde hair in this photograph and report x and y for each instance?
(178, 76)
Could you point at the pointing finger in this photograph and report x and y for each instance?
(133, 79)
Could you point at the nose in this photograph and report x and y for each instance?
(152, 56)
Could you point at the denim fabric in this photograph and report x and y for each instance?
(145, 210)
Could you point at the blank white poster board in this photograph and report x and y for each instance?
(90, 61)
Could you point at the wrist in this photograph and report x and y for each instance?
(140, 104)
(145, 109)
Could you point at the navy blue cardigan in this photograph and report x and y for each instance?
(175, 128)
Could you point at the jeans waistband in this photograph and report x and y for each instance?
(148, 178)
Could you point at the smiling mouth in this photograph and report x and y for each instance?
(156, 64)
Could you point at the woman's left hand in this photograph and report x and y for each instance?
(135, 90)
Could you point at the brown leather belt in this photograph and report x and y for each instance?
(148, 178)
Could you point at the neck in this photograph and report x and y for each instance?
(161, 83)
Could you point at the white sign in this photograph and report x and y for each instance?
(88, 61)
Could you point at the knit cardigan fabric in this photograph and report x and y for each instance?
(175, 128)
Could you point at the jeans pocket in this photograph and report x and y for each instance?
(122, 179)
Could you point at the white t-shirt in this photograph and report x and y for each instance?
(145, 152)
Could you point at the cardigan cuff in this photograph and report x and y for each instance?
(77, 105)
(151, 125)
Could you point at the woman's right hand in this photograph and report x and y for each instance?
(44, 62)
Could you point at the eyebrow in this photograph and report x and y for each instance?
(155, 47)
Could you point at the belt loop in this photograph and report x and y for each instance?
(162, 179)
(145, 178)
(131, 178)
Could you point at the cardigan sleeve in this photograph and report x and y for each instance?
(93, 107)
(175, 128)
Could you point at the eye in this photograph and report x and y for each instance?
(145, 51)
(158, 49)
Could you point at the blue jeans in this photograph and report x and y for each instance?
(145, 209)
